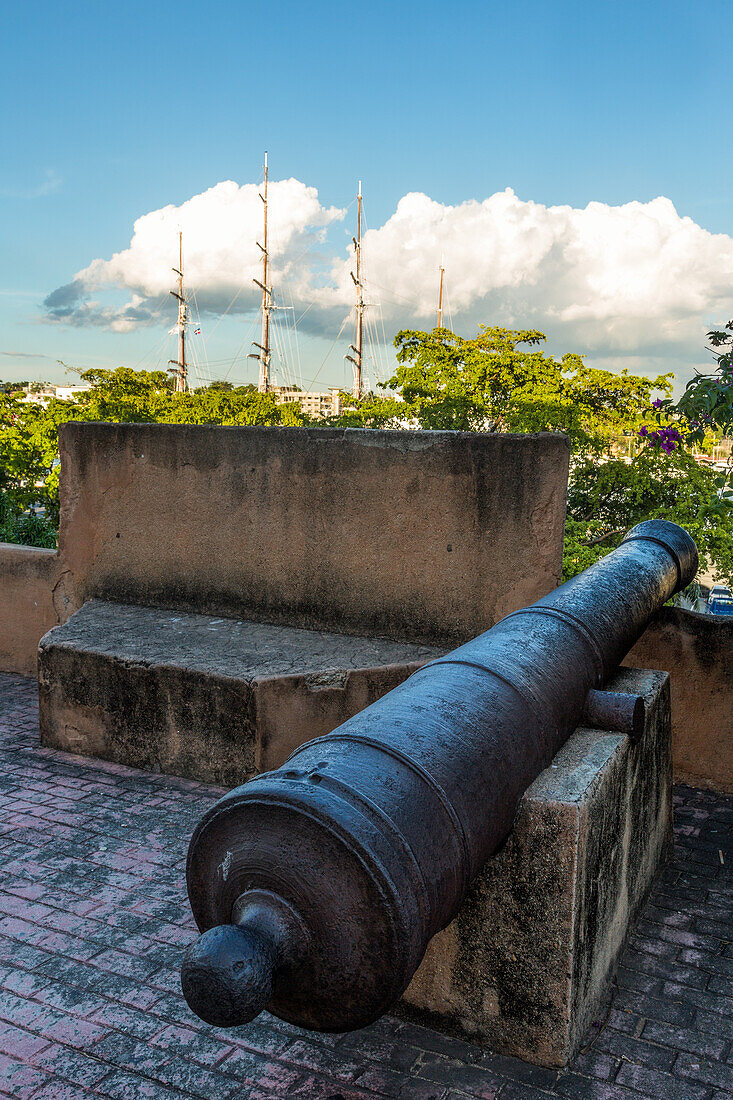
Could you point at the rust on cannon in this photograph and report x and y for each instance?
(318, 886)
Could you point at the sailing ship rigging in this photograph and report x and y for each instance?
(179, 367)
(440, 296)
(264, 353)
(358, 346)
(365, 330)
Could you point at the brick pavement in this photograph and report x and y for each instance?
(93, 918)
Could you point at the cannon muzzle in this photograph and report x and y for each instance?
(318, 886)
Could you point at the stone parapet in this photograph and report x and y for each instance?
(525, 966)
(697, 651)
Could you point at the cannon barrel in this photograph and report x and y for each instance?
(317, 886)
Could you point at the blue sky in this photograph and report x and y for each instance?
(113, 111)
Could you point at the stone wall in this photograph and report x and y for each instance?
(31, 602)
(421, 536)
(697, 650)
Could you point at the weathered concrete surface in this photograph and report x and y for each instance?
(31, 602)
(698, 652)
(528, 960)
(425, 536)
(214, 700)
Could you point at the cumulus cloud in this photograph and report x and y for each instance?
(220, 229)
(603, 279)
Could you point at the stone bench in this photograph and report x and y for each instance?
(211, 699)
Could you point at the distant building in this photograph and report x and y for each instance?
(67, 393)
(48, 393)
(317, 405)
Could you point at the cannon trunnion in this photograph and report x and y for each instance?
(318, 886)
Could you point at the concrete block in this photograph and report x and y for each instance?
(210, 699)
(429, 537)
(525, 966)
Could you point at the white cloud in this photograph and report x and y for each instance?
(604, 277)
(608, 280)
(220, 229)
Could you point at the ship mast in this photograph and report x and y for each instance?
(358, 347)
(179, 365)
(440, 297)
(265, 351)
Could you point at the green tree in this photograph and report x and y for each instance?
(605, 499)
(707, 402)
(124, 395)
(372, 410)
(502, 380)
(29, 464)
(26, 528)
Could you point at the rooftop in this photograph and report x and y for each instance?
(94, 918)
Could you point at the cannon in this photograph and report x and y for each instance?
(318, 886)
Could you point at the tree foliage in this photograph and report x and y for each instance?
(502, 380)
(29, 464)
(605, 499)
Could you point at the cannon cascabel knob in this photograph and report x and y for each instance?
(227, 975)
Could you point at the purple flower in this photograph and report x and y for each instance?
(643, 430)
(657, 404)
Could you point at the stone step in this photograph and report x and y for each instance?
(211, 699)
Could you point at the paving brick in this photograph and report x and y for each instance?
(313, 1056)
(656, 1008)
(70, 1065)
(388, 1050)
(15, 1042)
(724, 985)
(250, 1067)
(677, 1038)
(650, 1082)
(695, 1068)
(502, 1065)
(510, 1092)
(131, 1021)
(313, 1087)
(19, 1079)
(426, 1040)
(645, 1052)
(575, 1087)
(389, 1082)
(654, 967)
(625, 1021)
(93, 916)
(700, 998)
(62, 1090)
(713, 1023)
(68, 1029)
(123, 1085)
(707, 962)
(475, 1080)
(680, 937)
(597, 1065)
(199, 1048)
(638, 982)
